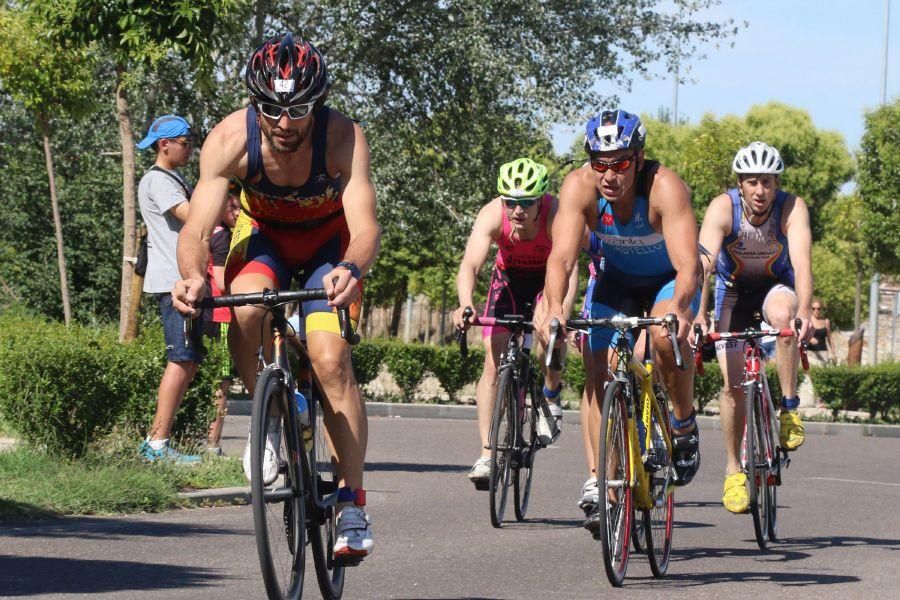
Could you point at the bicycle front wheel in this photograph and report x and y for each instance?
(658, 520)
(502, 442)
(278, 509)
(321, 516)
(774, 479)
(526, 452)
(757, 471)
(614, 478)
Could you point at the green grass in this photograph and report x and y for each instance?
(34, 484)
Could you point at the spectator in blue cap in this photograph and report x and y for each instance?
(163, 195)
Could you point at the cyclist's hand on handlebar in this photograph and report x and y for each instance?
(187, 294)
(685, 323)
(704, 328)
(459, 321)
(806, 330)
(340, 285)
(543, 316)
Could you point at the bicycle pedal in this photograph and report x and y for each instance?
(347, 561)
(482, 485)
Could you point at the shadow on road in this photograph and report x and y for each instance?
(87, 528)
(416, 467)
(28, 576)
(546, 523)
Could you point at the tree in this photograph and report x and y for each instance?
(139, 34)
(49, 88)
(879, 186)
(842, 256)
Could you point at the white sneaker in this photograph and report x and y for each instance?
(353, 537)
(271, 460)
(590, 496)
(481, 470)
(549, 422)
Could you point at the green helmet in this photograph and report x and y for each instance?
(522, 178)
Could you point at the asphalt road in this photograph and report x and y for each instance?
(839, 519)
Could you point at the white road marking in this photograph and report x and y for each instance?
(853, 481)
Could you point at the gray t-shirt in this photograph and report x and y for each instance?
(158, 193)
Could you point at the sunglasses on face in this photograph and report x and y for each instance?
(817, 308)
(618, 166)
(182, 142)
(525, 203)
(294, 111)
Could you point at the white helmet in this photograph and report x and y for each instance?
(758, 158)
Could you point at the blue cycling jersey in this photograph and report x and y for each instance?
(633, 248)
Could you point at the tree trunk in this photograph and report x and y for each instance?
(399, 298)
(857, 302)
(57, 222)
(137, 288)
(128, 201)
(260, 20)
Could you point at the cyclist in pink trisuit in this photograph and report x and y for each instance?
(519, 222)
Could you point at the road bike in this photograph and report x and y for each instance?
(762, 457)
(635, 471)
(299, 507)
(513, 440)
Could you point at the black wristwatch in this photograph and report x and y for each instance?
(350, 266)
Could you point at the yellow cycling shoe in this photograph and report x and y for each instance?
(792, 435)
(736, 499)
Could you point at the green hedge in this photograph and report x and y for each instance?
(872, 389)
(63, 388)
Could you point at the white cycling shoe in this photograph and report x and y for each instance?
(272, 458)
(353, 536)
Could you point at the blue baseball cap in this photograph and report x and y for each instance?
(165, 127)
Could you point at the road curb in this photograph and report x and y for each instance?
(229, 495)
(468, 412)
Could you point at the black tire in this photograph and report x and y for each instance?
(659, 520)
(321, 519)
(614, 475)
(279, 512)
(774, 476)
(502, 442)
(527, 452)
(757, 472)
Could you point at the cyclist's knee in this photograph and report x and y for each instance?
(331, 364)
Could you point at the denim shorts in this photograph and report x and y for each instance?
(173, 331)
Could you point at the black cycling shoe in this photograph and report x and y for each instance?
(592, 523)
(686, 456)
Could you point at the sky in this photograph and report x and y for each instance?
(825, 56)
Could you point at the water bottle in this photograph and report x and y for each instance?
(303, 418)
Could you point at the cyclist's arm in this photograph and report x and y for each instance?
(679, 229)
(799, 236)
(218, 162)
(488, 225)
(716, 225)
(359, 200)
(180, 211)
(572, 284)
(569, 222)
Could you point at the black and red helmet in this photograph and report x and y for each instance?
(285, 72)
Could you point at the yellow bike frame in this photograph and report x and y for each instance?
(643, 373)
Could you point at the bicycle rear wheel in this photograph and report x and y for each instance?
(524, 467)
(502, 442)
(757, 471)
(658, 520)
(322, 516)
(278, 509)
(614, 475)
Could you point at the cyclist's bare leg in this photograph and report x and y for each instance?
(731, 406)
(172, 387)
(345, 412)
(587, 399)
(244, 332)
(780, 308)
(680, 384)
(551, 376)
(595, 386)
(486, 390)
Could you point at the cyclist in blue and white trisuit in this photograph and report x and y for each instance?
(641, 212)
(763, 240)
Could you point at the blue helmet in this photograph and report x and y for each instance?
(613, 130)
